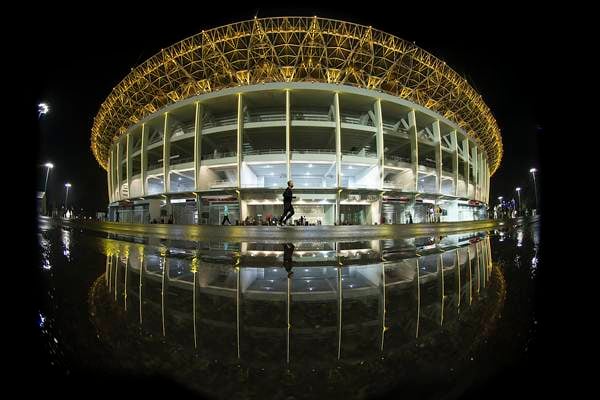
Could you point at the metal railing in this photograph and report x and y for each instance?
(265, 117)
(357, 119)
(263, 151)
(181, 160)
(318, 151)
(397, 158)
(360, 153)
(427, 162)
(213, 156)
(391, 129)
(220, 121)
(311, 115)
(223, 183)
(155, 166)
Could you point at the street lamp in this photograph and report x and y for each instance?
(49, 166)
(533, 171)
(67, 185)
(43, 109)
(519, 193)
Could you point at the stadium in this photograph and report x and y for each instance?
(371, 129)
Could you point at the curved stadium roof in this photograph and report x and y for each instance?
(294, 49)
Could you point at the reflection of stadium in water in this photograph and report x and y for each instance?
(343, 301)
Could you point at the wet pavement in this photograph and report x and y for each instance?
(423, 317)
(341, 232)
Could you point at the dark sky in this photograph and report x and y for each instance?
(77, 61)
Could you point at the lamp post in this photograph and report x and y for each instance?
(500, 204)
(43, 109)
(533, 171)
(49, 166)
(67, 185)
(519, 193)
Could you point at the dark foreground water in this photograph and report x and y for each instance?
(430, 317)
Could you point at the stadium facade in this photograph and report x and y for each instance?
(371, 129)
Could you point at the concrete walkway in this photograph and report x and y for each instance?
(273, 233)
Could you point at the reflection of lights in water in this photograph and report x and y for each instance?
(518, 261)
(534, 261)
(42, 320)
(66, 240)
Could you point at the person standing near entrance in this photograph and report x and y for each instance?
(225, 216)
(288, 209)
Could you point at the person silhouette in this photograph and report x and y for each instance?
(288, 252)
(288, 209)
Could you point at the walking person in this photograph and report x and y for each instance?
(225, 216)
(288, 209)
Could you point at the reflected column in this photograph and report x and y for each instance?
(237, 304)
(441, 276)
(142, 260)
(477, 271)
(457, 267)
(339, 301)
(288, 304)
(382, 309)
(165, 264)
(116, 272)
(194, 269)
(470, 275)
(418, 298)
(125, 279)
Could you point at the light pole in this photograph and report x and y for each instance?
(49, 166)
(43, 109)
(67, 185)
(500, 204)
(533, 170)
(519, 193)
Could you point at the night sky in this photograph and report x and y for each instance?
(80, 60)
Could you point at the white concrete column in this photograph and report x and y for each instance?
(197, 145)
(479, 174)
(380, 152)
(437, 136)
(118, 170)
(474, 158)
(338, 142)
(465, 154)
(487, 182)
(240, 127)
(144, 159)
(455, 161)
(108, 177)
(414, 147)
(166, 154)
(288, 132)
(129, 164)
